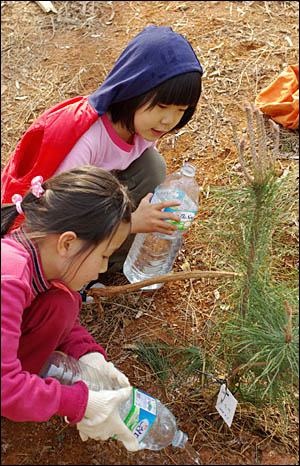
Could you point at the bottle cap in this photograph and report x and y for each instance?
(188, 169)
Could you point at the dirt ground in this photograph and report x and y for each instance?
(50, 57)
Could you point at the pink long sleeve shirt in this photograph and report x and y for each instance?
(102, 147)
(24, 395)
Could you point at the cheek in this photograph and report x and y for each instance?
(145, 117)
(178, 120)
(140, 121)
(93, 266)
(97, 263)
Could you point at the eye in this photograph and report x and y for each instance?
(162, 105)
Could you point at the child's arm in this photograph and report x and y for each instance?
(150, 218)
(24, 395)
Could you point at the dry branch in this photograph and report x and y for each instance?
(111, 290)
(243, 367)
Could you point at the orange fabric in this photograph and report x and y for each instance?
(280, 99)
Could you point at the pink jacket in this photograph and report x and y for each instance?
(24, 395)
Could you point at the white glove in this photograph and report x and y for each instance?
(108, 370)
(102, 419)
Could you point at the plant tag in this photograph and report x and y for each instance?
(226, 404)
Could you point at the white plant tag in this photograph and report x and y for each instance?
(226, 404)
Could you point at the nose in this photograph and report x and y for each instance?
(169, 118)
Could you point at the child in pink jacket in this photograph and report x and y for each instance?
(73, 223)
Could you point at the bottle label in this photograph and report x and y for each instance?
(142, 414)
(186, 211)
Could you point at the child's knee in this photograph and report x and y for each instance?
(56, 305)
(61, 299)
(46, 323)
(154, 166)
(144, 174)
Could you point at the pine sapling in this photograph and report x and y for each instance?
(259, 337)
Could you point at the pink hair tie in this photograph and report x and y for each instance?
(17, 199)
(36, 186)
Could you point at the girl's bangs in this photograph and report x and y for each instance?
(184, 89)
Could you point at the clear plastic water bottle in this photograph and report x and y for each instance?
(153, 254)
(151, 422)
(68, 370)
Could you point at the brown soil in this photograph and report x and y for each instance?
(50, 57)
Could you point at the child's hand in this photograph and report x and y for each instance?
(150, 218)
(102, 418)
(107, 369)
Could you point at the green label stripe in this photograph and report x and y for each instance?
(132, 411)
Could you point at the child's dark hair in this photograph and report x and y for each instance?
(184, 89)
(87, 200)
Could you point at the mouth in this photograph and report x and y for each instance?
(157, 132)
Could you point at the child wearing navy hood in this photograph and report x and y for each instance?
(152, 89)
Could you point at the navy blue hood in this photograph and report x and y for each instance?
(154, 55)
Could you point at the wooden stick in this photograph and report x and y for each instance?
(245, 367)
(111, 290)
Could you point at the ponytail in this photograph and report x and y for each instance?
(87, 200)
(9, 214)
